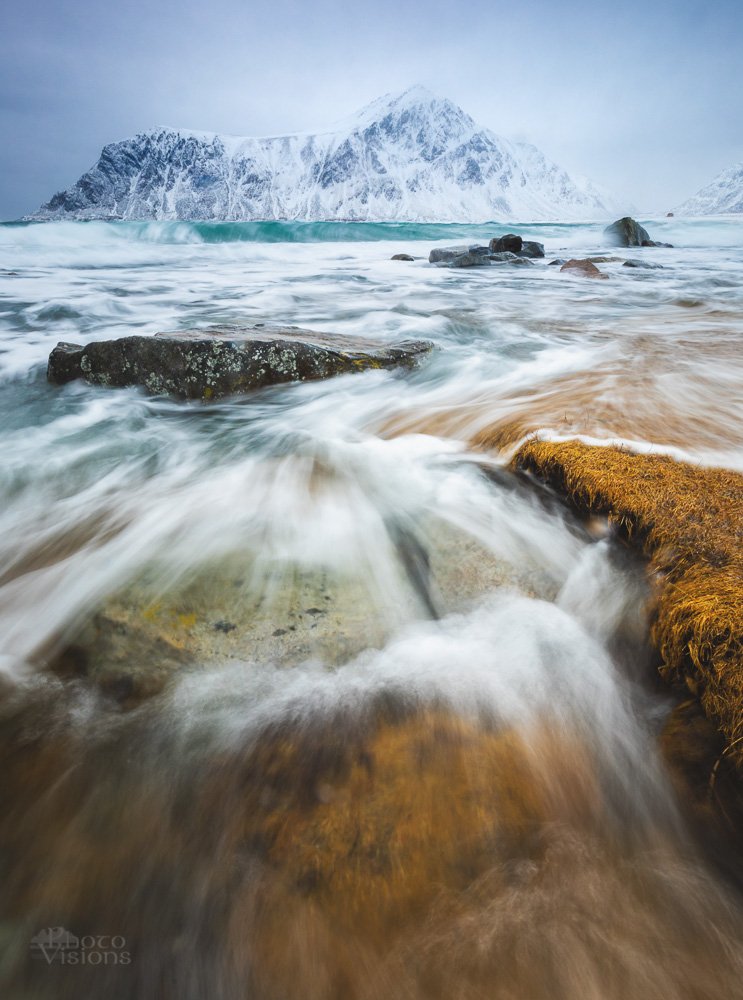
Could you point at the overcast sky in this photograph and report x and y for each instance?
(642, 97)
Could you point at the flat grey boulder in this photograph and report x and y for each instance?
(447, 255)
(470, 259)
(223, 361)
(506, 257)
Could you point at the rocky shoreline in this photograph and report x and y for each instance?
(513, 249)
(226, 360)
(698, 629)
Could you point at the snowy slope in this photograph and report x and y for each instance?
(723, 196)
(408, 157)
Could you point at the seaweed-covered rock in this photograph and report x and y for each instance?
(221, 361)
(686, 520)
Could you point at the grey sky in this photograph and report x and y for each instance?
(642, 97)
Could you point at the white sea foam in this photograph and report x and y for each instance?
(498, 610)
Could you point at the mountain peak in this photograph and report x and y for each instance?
(407, 156)
(416, 98)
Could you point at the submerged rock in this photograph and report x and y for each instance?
(141, 637)
(627, 232)
(402, 256)
(645, 264)
(584, 267)
(221, 361)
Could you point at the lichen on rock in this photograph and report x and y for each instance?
(222, 361)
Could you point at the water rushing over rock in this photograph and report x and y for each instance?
(303, 693)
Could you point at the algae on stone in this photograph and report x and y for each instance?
(689, 521)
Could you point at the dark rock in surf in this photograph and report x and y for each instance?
(222, 361)
(515, 244)
(479, 256)
(402, 256)
(557, 260)
(627, 232)
(530, 248)
(509, 242)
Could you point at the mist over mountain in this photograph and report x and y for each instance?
(410, 157)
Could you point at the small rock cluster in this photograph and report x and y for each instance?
(513, 249)
(508, 249)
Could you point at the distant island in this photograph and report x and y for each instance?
(723, 196)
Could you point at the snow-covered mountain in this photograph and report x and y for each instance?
(407, 157)
(723, 196)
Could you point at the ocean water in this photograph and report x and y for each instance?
(300, 696)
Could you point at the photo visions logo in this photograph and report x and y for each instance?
(55, 945)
